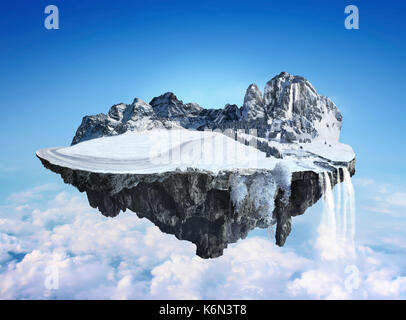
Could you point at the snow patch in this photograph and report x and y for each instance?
(262, 192)
(239, 191)
(282, 173)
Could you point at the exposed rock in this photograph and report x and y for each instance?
(121, 118)
(289, 111)
(197, 205)
(230, 113)
(297, 112)
(253, 107)
(168, 106)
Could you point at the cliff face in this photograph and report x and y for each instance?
(198, 205)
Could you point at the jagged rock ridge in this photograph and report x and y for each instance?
(290, 110)
(253, 107)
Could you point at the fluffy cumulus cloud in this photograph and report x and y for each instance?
(58, 247)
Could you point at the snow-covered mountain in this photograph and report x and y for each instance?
(253, 107)
(137, 116)
(296, 112)
(290, 110)
(168, 106)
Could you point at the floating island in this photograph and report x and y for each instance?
(210, 176)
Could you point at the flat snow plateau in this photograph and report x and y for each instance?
(161, 150)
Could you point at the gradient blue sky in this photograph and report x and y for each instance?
(207, 52)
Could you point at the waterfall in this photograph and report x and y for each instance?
(337, 228)
(339, 216)
(350, 201)
(329, 207)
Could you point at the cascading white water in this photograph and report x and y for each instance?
(350, 201)
(339, 216)
(337, 227)
(329, 206)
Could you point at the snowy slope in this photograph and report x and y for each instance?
(164, 150)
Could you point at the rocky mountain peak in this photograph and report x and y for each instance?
(284, 90)
(116, 111)
(300, 113)
(169, 106)
(141, 109)
(290, 110)
(125, 112)
(253, 107)
(230, 113)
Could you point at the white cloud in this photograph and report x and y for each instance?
(384, 283)
(32, 194)
(319, 284)
(7, 168)
(129, 258)
(376, 209)
(387, 202)
(381, 197)
(395, 241)
(363, 182)
(397, 199)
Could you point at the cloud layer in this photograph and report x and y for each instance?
(58, 247)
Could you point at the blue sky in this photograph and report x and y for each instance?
(109, 52)
(207, 52)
